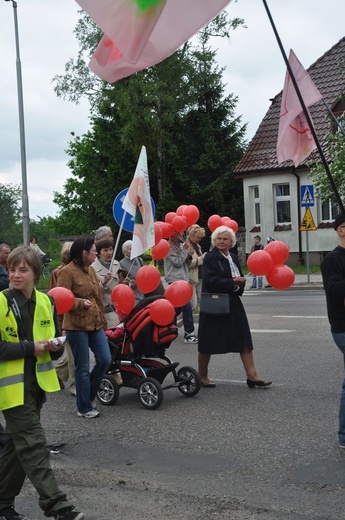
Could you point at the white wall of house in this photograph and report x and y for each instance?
(277, 196)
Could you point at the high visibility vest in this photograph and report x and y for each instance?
(12, 372)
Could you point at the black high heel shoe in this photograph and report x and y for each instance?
(261, 383)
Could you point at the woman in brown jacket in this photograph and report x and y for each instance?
(84, 324)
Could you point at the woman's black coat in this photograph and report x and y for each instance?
(228, 333)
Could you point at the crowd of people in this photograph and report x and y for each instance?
(90, 271)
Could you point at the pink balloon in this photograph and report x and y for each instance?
(179, 224)
(278, 250)
(213, 222)
(160, 250)
(170, 216)
(63, 298)
(162, 312)
(281, 276)
(148, 278)
(158, 232)
(123, 298)
(191, 214)
(180, 210)
(259, 262)
(179, 293)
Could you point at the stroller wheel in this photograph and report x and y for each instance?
(108, 391)
(150, 393)
(189, 381)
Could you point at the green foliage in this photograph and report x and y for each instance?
(335, 145)
(10, 227)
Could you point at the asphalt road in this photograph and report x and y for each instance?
(227, 453)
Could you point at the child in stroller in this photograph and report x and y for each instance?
(137, 348)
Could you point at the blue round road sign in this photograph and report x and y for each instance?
(118, 211)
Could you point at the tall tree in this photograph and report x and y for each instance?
(10, 228)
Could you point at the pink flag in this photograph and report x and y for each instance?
(138, 204)
(141, 33)
(295, 140)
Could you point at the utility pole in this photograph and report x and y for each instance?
(25, 198)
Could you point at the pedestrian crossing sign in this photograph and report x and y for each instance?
(308, 223)
(307, 195)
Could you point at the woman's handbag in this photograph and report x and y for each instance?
(217, 304)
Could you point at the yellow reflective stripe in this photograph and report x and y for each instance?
(11, 380)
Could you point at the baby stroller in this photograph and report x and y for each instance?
(140, 357)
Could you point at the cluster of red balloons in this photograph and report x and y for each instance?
(162, 311)
(184, 217)
(270, 262)
(216, 220)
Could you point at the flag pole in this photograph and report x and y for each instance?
(304, 108)
(118, 239)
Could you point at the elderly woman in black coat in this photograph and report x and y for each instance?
(220, 334)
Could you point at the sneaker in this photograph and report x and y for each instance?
(342, 445)
(190, 339)
(94, 404)
(89, 415)
(68, 514)
(9, 513)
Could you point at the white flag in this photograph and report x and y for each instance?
(138, 204)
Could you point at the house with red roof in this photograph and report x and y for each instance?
(279, 199)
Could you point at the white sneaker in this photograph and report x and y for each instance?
(190, 339)
(94, 404)
(89, 415)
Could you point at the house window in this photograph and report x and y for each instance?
(329, 210)
(282, 203)
(256, 201)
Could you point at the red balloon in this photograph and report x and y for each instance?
(64, 299)
(180, 210)
(162, 312)
(148, 278)
(179, 224)
(170, 216)
(259, 262)
(214, 222)
(123, 298)
(160, 250)
(191, 214)
(179, 293)
(232, 224)
(281, 277)
(278, 250)
(167, 230)
(158, 232)
(224, 220)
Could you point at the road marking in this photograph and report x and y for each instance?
(302, 317)
(276, 331)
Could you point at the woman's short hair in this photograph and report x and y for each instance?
(65, 252)
(28, 255)
(196, 230)
(78, 246)
(223, 229)
(104, 243)
(126, 245)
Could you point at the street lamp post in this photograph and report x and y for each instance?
(25, 198)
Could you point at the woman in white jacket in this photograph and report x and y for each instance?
(108, 277)
(195, 234)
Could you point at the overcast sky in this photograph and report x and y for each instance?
(255, 73)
